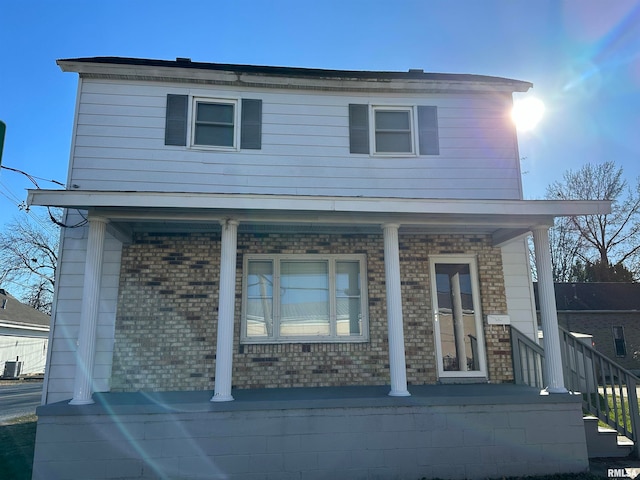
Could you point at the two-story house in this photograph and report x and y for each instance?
(275, 272)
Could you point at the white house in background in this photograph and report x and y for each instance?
(298, 273)
(24, 336)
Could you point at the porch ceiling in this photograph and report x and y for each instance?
(179, 211)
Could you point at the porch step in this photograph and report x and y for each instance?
(605, 442)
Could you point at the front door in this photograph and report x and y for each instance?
(458, 328)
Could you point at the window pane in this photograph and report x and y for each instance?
(348, 298)
(457, 319)
(217, 135)
(618, 341)
(260, 299)
(304, 298)
(215, 113)
(391, 142)
(392, 120)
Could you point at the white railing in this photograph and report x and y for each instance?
(608, 390)
(528, 360)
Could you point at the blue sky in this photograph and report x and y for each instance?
(583, 58)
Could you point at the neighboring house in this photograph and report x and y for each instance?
(610, 312)
(24, 336)
(330, 257)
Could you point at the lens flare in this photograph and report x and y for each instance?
(527, 113)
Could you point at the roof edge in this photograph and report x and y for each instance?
(88, 65)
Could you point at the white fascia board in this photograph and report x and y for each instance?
(177, 200)
(24, 326)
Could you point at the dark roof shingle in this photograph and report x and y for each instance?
(591, 296)
(12, 310)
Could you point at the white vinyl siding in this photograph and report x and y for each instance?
(304, 151)
(66, 321)
(519, 288)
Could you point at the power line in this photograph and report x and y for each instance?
(12, 200)
(32, 178)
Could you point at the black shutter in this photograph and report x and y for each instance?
(428, 130)
(251, 124)
(358, 128)
(175, 131)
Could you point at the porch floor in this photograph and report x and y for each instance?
(305, 398)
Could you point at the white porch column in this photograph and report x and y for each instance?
(548, 313)
(397, 365)
(86, 350)
(226, 311)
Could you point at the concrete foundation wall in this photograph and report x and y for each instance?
(386, 438)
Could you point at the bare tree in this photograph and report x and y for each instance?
(606, 242)
(28, 258)
(567, 246)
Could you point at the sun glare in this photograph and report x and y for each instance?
(527, 113)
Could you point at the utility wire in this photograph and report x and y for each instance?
(16, 199)
(32, 178)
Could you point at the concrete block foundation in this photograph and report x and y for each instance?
(452, 431)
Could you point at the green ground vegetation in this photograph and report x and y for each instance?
(17, 438)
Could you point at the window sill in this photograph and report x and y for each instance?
(306, 340)
(214, 148)
(466, 379)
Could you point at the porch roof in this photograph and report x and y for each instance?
(140, 210)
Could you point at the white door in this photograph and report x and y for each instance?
(459, 336)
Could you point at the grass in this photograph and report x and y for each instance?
(17, 438)
(613, 408)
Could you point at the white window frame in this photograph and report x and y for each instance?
(333, 337)
(475, 291)
(235, 102)
(413, 122)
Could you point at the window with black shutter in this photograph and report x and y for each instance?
(227, 124)
(396, 130)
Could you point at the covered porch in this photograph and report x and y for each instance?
(382, 408)
(124, 216)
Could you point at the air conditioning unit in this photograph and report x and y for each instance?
(12, 369)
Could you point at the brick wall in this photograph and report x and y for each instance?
(599, 324)
(166, 322)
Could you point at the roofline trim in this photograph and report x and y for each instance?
(256, 202)
(184, 69)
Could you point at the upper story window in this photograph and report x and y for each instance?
(228, 124)
(304, 298)
(214, 123)
(393, 130)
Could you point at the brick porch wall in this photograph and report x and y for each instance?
(166, 322)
